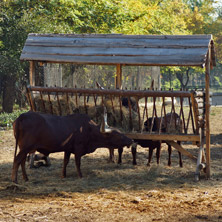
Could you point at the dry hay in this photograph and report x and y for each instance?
(119, 118)
(112, 192)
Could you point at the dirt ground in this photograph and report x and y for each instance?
(112, 192)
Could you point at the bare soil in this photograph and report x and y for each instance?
(112, 192)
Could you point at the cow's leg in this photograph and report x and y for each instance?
(158, 149)
(120, 151)
(47, 161)
(24, 174)
(180, 156)
(78, 163)
(169, 155)
(65, 163)
(31, 160)
(133, 150)
(150, 156)
(111, 155)
(18, 160)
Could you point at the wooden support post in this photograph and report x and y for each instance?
(32, 73)
(200, 154)
(118, 82)
(207, 112)
(181, 149)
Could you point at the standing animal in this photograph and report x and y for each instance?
(156, 144)
(170, 123)
(126, 103)
(76, 134)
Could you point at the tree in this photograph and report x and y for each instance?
(20, 17)
(13, 32)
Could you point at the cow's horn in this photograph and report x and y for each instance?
(104, 125)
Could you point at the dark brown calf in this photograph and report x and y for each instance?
(154, 123)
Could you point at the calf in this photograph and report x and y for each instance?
(76, 134)
(154, 124)
(32, 157)
(151, 144)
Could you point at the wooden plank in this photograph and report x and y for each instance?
(107, 51)
(181, 149)
(118, 43)
(103, 92)
(118, 38)
(135, 60)
(165, 137)
(203, 36)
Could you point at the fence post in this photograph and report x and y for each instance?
(207, 111)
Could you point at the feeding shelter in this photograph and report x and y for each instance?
(130, 50)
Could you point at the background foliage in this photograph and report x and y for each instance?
(20, 17)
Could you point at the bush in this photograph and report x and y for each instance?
(6, 119)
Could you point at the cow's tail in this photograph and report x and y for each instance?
(16, 134)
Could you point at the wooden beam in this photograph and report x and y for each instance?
(207, 112)
(165, 137)
(181, 149)
(161, 60)
(118, 76)
(123, 93)
(32, 73)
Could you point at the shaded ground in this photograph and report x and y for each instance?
(111, 192)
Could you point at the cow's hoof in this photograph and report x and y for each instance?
(15, 181)
(134, 163)
(63, 175)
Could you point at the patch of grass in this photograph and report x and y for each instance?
(6, 119)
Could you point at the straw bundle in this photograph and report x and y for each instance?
(63, 105)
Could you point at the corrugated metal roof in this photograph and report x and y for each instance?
(158, 50)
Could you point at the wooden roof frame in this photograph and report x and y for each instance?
(112, 49)
(119, 50)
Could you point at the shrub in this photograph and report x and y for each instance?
(6, 119)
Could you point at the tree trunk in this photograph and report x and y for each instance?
(8, 93)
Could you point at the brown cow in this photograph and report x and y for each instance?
(76, 134)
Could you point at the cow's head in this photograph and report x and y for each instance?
(148, 124)
(114, 137)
